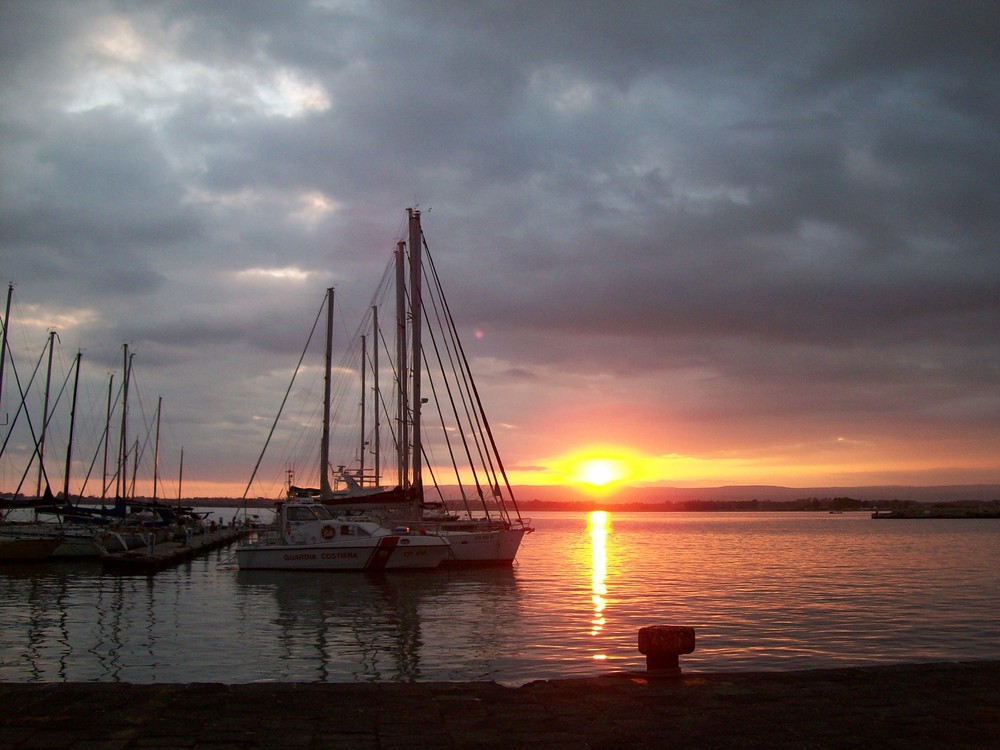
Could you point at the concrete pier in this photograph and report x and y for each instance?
(941, 705)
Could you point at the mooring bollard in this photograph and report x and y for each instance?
(663, 644)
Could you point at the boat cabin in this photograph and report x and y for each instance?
(306, 522)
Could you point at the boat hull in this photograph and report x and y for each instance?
(382, 553)
(16, 550)
(485, 548)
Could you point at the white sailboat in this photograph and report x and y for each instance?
(465, 498)
(307, 536)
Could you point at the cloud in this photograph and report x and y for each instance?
(733, 219)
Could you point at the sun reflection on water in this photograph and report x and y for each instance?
(598, 528)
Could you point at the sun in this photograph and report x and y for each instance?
(599, 472)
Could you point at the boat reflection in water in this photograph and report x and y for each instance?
(386, 627)
(598, 527)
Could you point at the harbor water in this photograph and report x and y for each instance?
(764, 591)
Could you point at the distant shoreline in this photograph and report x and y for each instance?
(752, 498)
(802, 505)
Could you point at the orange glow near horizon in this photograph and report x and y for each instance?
(600, 470)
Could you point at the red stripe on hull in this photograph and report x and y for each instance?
(383, 553)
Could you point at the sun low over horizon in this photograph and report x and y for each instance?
(683, 246)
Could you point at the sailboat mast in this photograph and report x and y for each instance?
(377, 395)
(107, 437)
(402, 449)
(45, 416)
(180, 477)
(415, 326)
(156, 449)
(3, 345)
(72, 425)
(364, 394)
(135, 469)
(121, 485)
(324, 466)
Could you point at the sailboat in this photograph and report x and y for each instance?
(80, 530)
(17, 542)
(479, 518)
(308, 536)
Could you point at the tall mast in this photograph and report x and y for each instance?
(324, 449)
(135, 469)
(45, 417)
(180, 477)
(156, 449)
(72, 424)
(377, 401)
(107, 437)
(402, 448)
(3, 346)
(121, 487)
(364, 394)
(415, 325)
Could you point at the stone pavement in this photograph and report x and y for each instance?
(940, 705)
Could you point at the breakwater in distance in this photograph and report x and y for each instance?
(764, 591)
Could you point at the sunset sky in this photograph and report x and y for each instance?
(688, 243)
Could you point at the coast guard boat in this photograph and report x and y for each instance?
(307, 536)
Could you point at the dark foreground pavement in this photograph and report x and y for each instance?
(945, 705)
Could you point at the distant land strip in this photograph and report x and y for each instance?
(762, 498)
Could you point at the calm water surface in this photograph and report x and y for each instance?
(765, 591)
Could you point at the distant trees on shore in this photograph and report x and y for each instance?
(818, 504)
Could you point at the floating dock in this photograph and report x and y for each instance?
(156, 557)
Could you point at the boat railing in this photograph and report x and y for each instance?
(268, 536)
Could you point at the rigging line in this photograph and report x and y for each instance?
(93, 461)
(475, 427)
(475, 392)
(103, 445)
(59, 396)
(285, 399)
(447, 439)
(27, 416)
(380, 404)
(458, 421)
(140, 451)
(434, 482)
(389, 417)
(462, 378)
(23, 393)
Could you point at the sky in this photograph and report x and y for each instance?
(690, 243)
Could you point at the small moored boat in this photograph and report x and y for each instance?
(21, 548)
(309, 537)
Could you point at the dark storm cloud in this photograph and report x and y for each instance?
(781, 196)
